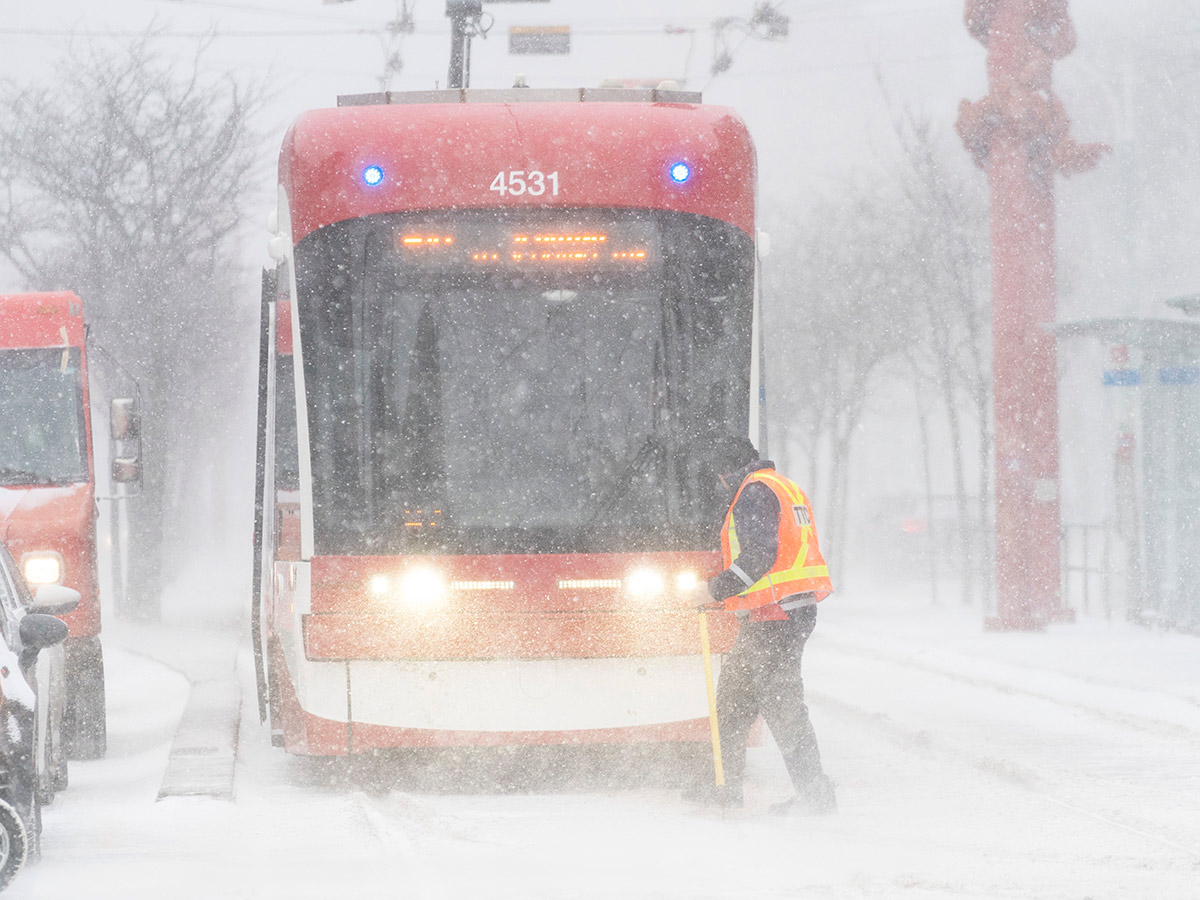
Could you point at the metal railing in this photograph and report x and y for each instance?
(1088, 566)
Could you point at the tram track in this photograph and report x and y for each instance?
(1039, 782)
(1185, 707)
(1098, 795)
(394, 843)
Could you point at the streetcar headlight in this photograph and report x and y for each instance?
(644, 584)
(423, 588)
(686, 581)
(42, 567)
(379, 585)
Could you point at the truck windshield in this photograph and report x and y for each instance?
(481, 382)
(43, 439)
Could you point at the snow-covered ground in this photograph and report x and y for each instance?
(969, 764)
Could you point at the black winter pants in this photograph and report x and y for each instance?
(761, 676)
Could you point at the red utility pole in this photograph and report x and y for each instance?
(1018, 135)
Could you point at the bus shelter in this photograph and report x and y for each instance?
(1154, 372)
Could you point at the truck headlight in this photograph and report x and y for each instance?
(42, 567)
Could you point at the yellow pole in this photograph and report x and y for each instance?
(718, 768)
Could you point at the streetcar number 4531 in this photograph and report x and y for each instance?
(517, 182)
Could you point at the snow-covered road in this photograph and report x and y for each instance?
(969, 765)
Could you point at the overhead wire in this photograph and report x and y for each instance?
(392, 43)
(215, 34)
(601, 28)
(249, 7)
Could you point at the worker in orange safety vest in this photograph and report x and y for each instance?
(774, 576)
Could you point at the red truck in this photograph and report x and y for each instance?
(48, 496)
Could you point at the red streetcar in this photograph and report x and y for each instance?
(502, 329)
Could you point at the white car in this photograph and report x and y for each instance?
(33, 760)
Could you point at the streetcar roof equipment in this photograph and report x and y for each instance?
(523, 95)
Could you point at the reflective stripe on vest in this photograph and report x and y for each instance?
(799, 566)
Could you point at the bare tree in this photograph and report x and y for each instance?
(121, 180)
(836, 316)
(881, 284)
(945, 262)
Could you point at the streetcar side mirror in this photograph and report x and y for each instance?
(764, 245)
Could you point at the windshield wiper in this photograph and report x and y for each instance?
(649, 454)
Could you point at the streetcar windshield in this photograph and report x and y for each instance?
(478, 382)
(42, 433)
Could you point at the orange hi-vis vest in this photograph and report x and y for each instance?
(799, 566)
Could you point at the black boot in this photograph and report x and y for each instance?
(705, 793)
(815, 798)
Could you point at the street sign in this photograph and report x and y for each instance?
(1121, 377)
(1179, 375)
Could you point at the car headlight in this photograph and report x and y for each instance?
(644, 584)
(42, 567)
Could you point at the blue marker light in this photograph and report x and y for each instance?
(373, 175)
(679, 172)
